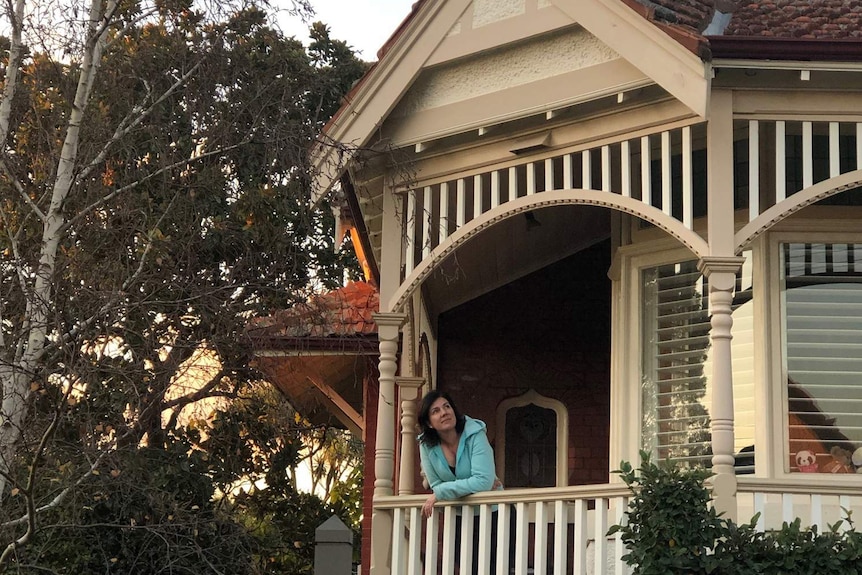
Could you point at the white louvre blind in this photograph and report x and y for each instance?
(822, 321)
(675, 346)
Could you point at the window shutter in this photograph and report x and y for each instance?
(675, 345)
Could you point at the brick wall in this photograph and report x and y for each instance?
(549, 331)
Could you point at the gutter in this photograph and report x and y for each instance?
(795, 49)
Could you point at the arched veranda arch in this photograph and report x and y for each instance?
(569, 197)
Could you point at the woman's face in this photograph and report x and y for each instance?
(441, 415)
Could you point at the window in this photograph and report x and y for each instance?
(821, 309)
(675, 343)
(676, 366)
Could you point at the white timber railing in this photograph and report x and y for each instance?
(559, 530)
(564, 530)
(784, 500)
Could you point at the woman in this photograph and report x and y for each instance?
(456, 458)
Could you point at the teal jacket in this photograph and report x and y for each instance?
(474, 464)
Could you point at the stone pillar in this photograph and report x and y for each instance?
(721, 275)
(408, 388)
(388, 327)
(333, 548)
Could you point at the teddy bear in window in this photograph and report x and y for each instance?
(806, 461)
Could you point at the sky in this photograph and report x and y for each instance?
(363, 24)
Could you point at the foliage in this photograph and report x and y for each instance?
(154, 196)
(670, 528)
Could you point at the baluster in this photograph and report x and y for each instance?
(444, 211)
(665, 173)
(399, 555)
(787, 507)
(484, 566)
(646, 174)
(807, 155)
(466, 520)
(568, 172)
(540, 543)
(626, 168)
(449, 518)
(513, 183)
(844, 503)
(780, 162)
(859, 146)
(521, 533)
(549, 174)
(504, 539)
(531, 178)
(817, 511)
(561, 531)
(620, 506)
(432, 528)
(477, 196)
(426, 222)
(410, 240)
(760, 507)
(687, 179)
(834, 150)
(586, 169)
(414, 549)
(753, 170)
(606, 168)
(460, 204)
(601, 527)
(579, 547)
(495, 189)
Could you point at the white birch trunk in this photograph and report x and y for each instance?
(17, 375)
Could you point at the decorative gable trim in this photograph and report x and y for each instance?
(651, 50)
(380, 89)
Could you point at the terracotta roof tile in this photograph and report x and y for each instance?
(343, 312)
(805, 19)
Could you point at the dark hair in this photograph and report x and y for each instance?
(428, 434)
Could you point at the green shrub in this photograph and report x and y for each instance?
(671, 529)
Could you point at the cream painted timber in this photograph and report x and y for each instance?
(673, 227)
(494, 71)
(798, 105)
(655, 53)
(565, 138)
(538, 97)
(794, 203)
(508, 31)
(720, 212)
(382, 87)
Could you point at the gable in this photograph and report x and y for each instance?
(454, 51)
(539, 75)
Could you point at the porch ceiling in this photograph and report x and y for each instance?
(512, 249)
(326, 388)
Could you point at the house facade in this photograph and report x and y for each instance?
(608, 226)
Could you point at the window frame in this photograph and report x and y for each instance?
(776, 362)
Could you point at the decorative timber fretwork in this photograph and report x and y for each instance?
(664, 171)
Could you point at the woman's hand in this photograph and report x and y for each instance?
(428, 506)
